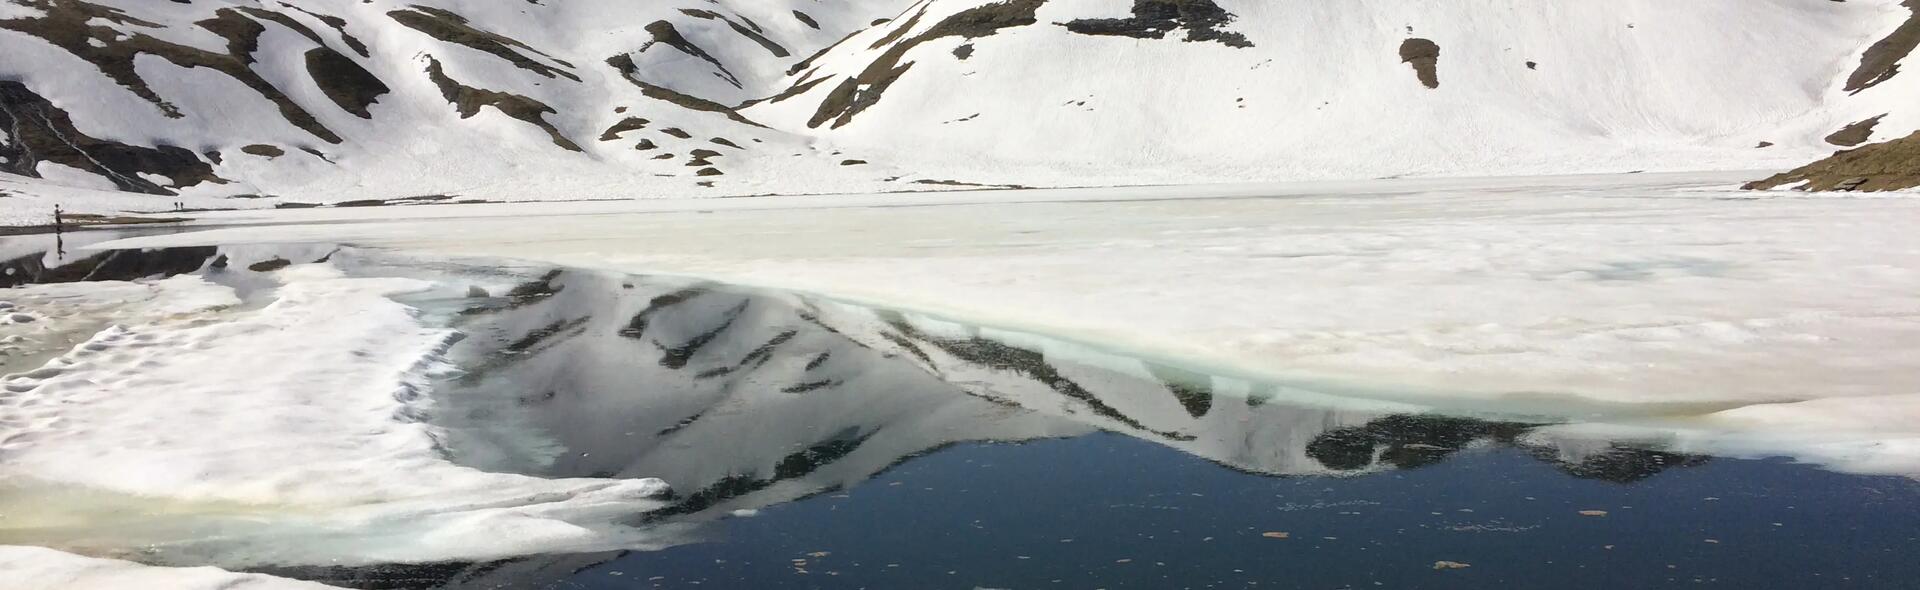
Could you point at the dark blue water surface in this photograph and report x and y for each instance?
(1108, 511)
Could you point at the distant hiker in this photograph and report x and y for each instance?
(56, 219)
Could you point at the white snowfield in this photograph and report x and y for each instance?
(1777, 324)
(794, 95)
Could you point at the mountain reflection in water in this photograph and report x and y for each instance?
(746, 399)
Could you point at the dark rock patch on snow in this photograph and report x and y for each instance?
(1424, 56)
(901, 29)
(264, 150)
(629, 70)
(345, 82)
(469, 100)
(1155, 19)
(1856, 133)
(860, 92)
(453, 28)
(806, 20)
(282, 20)
(625, 125)
(664, 33)
(745, 30)
(339, 26)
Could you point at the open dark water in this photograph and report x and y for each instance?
(1107, 511)
(816, 445)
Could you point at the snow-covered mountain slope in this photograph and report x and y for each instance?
(337, 100)
(1353, 89)
(332, 100)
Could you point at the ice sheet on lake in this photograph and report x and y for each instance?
(1649, 301)
(34, 568)
(298, 421)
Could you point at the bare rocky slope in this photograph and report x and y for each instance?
(254, 103)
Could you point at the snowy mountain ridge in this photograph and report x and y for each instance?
(323, 101)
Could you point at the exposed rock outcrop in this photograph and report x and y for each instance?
(38, 131)
(470, 100)
(1882, 60)
(1886, 166)
(1856, 133)
(1203, 20)
(857, 93)
(1424, 56)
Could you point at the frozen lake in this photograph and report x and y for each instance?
(1748, 323)
(1295, 386)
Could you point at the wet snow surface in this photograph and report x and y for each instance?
(1553, 381)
